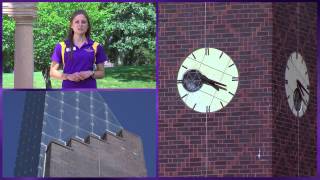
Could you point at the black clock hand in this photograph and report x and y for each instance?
(301, 93)
(301, 87)
(220, 87)
(212, 83)
(299, 90)
(214, 86)
(205, 80)
(220, 84)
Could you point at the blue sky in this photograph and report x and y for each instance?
(136, 111)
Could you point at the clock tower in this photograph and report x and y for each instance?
(237, 89)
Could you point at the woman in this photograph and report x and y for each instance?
(78, 56)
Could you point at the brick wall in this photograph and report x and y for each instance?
(111, 156)
(237, 132)
(294, 137)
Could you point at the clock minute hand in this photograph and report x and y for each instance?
(220, 84)
(299, 88)
(302, 87)
(205, 80)
(212, 83)
(300, 92)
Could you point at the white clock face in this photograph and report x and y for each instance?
(207, 80)
(297, 84)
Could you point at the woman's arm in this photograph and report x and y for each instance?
(54, 73)
(99, 73)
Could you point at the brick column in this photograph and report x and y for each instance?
(23, 13)
(256, 134)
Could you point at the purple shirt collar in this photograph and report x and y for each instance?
(90, 41)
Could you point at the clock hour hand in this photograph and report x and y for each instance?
(220, 87)
(301, 87)
(301, 95)
(212, 83)
(215, 86)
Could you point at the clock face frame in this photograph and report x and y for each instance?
(207, 80)
(297, 84)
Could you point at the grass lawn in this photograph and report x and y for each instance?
(116, 77)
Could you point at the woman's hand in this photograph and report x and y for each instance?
(62, 76)
(74, 77)
(97, 74)
(77, 76)
(85, 74)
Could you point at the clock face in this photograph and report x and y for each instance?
(297, 84)
(207, 80)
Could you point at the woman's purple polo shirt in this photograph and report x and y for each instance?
(83, 60)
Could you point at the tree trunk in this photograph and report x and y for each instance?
(120, 59)
(46, 76)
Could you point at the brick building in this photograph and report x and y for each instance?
(256, 134)
(75, 134)
(109, 156)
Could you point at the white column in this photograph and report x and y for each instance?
(23, 13)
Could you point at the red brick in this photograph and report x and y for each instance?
(259, 37)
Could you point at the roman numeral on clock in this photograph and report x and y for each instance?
(179, 81)
(184, 95)
(207, 51)
(221, 55)
(235, 78)
(207, 108)
(194, 56)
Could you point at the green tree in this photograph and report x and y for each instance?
(8, 26)
(127, 31)
(132, 26)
